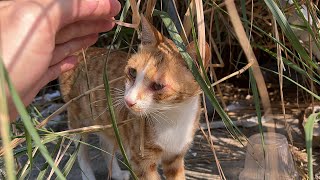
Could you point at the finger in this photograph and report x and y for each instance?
(54, 71)
(4, 4)
(71, 11)
(66, 49)
(52, 74)
(83, 28)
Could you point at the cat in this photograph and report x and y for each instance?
(158, 87)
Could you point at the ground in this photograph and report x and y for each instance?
(200, 162)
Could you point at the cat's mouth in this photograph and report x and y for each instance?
(134, 109)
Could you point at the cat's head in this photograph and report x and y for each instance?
(157, 75)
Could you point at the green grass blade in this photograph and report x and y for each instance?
(25, 171)
(67, 168)
(297, 84)
(234, 131)
(5, 125)
(45, 166)
(256, 99)
(306, 25)
(308, 128)
(285, 26)
(26, 119)
(286, 49)
(114, 121)
(244, 14)
(290, 64)
(29, 147)
(108, 95)
(123, 16)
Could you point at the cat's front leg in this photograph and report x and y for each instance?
(145, 167)
(173, 167)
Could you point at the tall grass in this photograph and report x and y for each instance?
(216, 22)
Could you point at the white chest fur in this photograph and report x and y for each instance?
(174, 134)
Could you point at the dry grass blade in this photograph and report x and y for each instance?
(280, 70)
(135, 13)
(57, 157)
(149, 11)
(128, 25)
(187, 21)
(201, 29)
(142, 125)
(233, 74)
(87, 79)
(60, 155)
(91, 129)
(26, 166)
(209, 139)
(14, 143)
(214, 46)
(245, 44)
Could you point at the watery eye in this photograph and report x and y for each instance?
(156, 86)
(133, 73)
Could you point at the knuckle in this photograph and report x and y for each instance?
(27, 11)
(53, 73)
(68, 49)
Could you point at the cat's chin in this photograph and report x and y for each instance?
(135, 111)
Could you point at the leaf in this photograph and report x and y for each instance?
(5, 125)
(308, 128)
(285, 26)
(26, 119)
(29, 147)
(45, 167)
(108, 95)
(257, 106)
(67, 168)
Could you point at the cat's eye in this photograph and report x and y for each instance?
(156, 87)
(133, 73)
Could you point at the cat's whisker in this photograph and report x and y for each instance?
(164, 107)
(104, 111)
(163, 114)
(158, 117)
(117, 89)
(119, 104)
(149, 120)
(152, 117)
(93, 102)
(117, 100)
(163, 117)
(120, 107)
(116, 106)
(117, 97)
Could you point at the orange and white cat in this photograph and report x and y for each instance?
(157, 87)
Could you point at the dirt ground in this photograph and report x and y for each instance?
(200, 161)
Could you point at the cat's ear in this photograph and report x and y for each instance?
(150, 36)
(192, 50)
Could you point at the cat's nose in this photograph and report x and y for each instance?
(130, 102)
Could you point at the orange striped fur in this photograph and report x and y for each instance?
(157, 87)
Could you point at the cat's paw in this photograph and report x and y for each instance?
(122, 175)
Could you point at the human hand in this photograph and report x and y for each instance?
(38, 38)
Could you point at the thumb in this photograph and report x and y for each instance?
(71, 11)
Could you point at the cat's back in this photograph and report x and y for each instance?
(91, 109)
(89, 72)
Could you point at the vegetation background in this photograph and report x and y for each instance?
(265, 52)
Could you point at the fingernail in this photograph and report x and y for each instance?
(115, 7)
